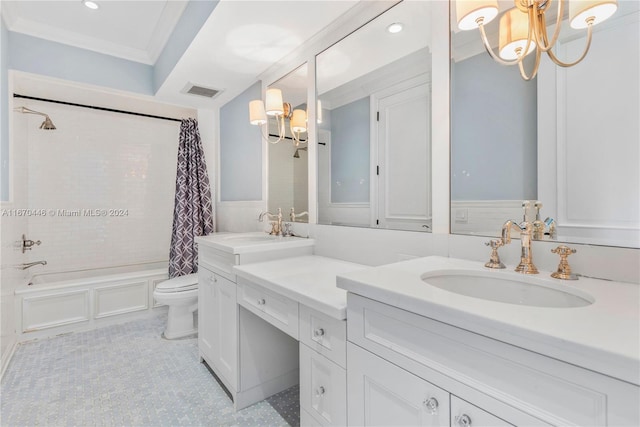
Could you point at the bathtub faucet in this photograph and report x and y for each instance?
(31, 264)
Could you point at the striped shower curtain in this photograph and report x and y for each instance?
(193, 210)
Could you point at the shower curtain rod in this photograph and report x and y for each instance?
(112, 110)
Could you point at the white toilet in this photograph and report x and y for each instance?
(181, 295)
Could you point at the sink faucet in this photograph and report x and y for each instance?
(293, 215)
(276, 226)
(31, 264)
(526, 230)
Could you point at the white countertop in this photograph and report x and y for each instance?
(309, 280)
(603, 337)
(239, 243)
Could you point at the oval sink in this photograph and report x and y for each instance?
(508, 289)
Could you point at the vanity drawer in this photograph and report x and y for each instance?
(324, 334)
(274, 308)
(323, 388)
(464, 414)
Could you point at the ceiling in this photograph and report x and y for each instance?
(238, 42)
(133, 30)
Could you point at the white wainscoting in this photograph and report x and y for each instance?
(483, 217)
(44, 310)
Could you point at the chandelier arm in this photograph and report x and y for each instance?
(264, 129)
(555, 59)
(534, 72)
(496, 58)
(540, 24)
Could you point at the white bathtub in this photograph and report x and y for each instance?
(55, 303)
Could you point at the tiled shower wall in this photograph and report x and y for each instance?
(100, 187)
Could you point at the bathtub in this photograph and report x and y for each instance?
(71, 301)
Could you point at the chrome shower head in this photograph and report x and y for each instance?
(47, 124)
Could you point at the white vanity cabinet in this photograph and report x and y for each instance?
(223, 332)
(398, 361)
(298, 297)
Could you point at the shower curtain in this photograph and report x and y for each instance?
(193, 210)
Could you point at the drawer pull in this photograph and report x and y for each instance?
(318, 332)
(261, 301)
(432, 405)
(320, 391)
(463, 420)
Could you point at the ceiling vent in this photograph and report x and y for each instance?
(207, 92)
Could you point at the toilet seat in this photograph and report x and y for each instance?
(184, 283)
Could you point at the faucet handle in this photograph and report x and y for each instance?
(494, 260)
(564, 269)
(525, 209)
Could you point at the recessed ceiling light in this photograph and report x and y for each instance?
(91, 4)
(396, 27)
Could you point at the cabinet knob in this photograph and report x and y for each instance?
(432, 405)
(261, 301)
(212, 279)
(463, 420)
(320, 391)
(318, 332)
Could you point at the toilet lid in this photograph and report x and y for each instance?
(179, 284)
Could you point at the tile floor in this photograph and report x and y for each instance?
(125, 375)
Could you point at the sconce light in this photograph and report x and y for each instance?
(274, 107)
(523, 29)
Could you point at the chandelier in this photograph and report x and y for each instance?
(273, 106)
(523, 29)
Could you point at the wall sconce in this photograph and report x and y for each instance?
(523, 29)
(274, 107)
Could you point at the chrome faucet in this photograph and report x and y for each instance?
(276, 226)
(31, 264)
(525, 228)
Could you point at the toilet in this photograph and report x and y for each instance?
(181, 295)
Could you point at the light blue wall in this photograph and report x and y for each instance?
(350, 143)
(4, 112)
(193, 18)
(240, 149)
(39, 56)
(493, 132)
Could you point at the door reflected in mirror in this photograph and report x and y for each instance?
(570, 138)
(374, 127)
(288, 157)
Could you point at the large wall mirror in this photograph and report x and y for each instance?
(288, 173)
(374, 130)
(570, 138)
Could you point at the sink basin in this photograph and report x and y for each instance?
(494, 286)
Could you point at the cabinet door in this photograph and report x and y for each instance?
(464, 414)
(323, 388)
(226, 324)
(382, 394)
(206, 310)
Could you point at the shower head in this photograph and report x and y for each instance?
(296, 155)
(47, 124)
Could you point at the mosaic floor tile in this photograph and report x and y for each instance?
(125, 375)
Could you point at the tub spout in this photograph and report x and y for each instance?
(31, 264)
